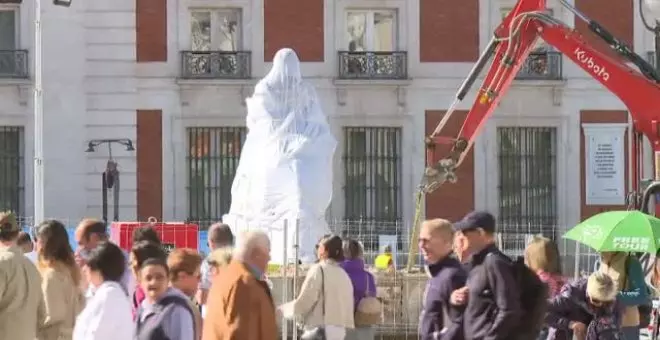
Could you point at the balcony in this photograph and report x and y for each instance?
(14, 64)
(216, 65)
(373, 65)
(545, 65)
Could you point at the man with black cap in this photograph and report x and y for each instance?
(491, 295)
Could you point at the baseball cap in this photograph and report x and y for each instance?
(476, 220)
(8, 222)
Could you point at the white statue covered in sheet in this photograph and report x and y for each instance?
(285, 169)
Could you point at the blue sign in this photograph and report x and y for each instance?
(71, 231)
(203, 247)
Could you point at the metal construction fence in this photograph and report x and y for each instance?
(401, 292)
(375, 235)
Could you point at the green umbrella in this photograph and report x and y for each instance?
(625, 231)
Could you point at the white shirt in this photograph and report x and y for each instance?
(32, 256)
(205, 272)
(107, 315)
(205, 282)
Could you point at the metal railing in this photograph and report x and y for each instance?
(212, 160)
(373, 65)
(527, 184)
(12, 167)
(14, 64)
(546, 65)
(216, 65)
(372, 175)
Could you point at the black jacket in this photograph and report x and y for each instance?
(493, 309)
(447, 275)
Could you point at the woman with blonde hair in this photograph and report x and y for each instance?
(61, 281)
(542, 256)
(586, 308)
(626, 270)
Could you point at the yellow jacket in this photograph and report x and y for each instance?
(383, 261)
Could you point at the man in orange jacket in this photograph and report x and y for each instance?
(240, 304)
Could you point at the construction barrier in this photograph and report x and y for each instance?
(172, 234)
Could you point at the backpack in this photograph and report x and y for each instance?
(151, 328)
(534, 295)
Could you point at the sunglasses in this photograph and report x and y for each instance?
(600, 302)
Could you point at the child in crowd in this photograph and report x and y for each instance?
(165, 310)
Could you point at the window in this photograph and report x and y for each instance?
(527, 179)
(11, 169)
(215, 30)
(371, 31)
(8, 40)
(213, 155)
(8, 28)
(372, 174)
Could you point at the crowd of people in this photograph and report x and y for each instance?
(474, 291)
(478, 293)
(99, 292)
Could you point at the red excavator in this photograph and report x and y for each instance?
(629, 77)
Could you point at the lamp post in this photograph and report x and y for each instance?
(38, 107)
(653, 9)
(110, 177)
(38, 120)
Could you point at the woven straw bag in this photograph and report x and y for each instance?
(369, 310)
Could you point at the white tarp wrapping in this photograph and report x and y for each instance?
(285, 169)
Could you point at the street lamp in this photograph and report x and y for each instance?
(110, 177)
(91, 146)
(653, 7)
(65, 3)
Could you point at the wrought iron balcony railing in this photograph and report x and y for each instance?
(373, 65)
(216, 65)
(546, 65)
(14, 64)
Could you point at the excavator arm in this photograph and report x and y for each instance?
(629, 77)
(636, 86)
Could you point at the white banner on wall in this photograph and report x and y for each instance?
(605, 166)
